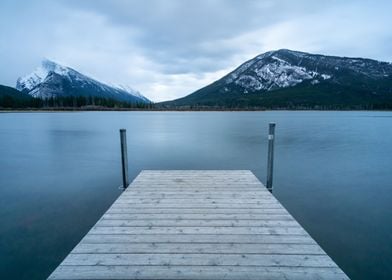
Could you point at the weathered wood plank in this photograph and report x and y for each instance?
(191, 185)
(242, 213)
(196, 223)
(197, 272)
(199, 230)
(195, 201)
(198, 239)
(211, 248)
(202, 193)
(191, 224)
(199, 188)
(200, 259)
(189, 195)
(207, 206)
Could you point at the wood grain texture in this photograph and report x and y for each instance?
(191, 224)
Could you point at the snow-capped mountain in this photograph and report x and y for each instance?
(286, 68)
(269, 71)
(54, 80)
(285, 77)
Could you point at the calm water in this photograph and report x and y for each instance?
(59, 172)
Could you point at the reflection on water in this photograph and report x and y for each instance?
(60, 171)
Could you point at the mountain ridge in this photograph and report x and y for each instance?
(54, 80)
(267, 80)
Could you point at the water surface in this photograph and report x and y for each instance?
(59, 172)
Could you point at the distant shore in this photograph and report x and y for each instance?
(70, 110)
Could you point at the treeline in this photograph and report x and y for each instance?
(69, 102)
(8, 101)
(306, 107)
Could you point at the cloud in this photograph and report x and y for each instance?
(169, 48)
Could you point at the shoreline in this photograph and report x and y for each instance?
(180, 110)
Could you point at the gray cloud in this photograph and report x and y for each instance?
(175, 31)
(169, 48)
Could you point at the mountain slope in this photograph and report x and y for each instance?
(10, 91)
(292, 79)
(13, 98)
(54, 80)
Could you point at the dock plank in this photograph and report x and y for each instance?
(208, 248)
(191, 224)
(200, 259)
(198, 272)
(197, 239)
(197, 223)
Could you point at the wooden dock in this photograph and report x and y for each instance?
(197, 225)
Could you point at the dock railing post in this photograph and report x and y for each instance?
(124, 158)
(270, 163)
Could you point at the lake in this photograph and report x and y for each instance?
(59, 172)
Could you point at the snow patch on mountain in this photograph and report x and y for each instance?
(249, 82)
(268, 72)
(32, 80)
(131, 91)
(234, 75)
(281, 74)
(41, 73)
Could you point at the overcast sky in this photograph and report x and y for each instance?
(168, 48)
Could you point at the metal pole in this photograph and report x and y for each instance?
(124, 158)
(270, 163)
